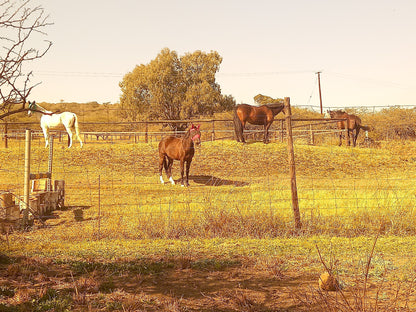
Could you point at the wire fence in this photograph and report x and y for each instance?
(154, 131)
(236, 190)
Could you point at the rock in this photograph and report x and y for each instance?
(328, 282)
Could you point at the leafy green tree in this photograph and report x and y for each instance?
(172, 87)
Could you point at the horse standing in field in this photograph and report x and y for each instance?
(172, 148)
(49, 120)
(256, 115)
(351, 123)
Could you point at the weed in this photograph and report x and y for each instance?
(6, 292)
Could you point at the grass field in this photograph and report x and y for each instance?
(226, 243)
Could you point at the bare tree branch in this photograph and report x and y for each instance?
(21, 28)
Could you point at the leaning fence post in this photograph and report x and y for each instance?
(27, 178)
(292, 167)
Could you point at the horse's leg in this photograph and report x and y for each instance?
(188, 165)
(169, 171)
(243, 126)
(182, 164)
(76, 136)
(357, 131)
(340, 137)
(348, 137)
(77, 130)
(46, 135)
(161, 165)
(69, 136)
(266, 132)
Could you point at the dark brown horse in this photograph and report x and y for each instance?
(256, 115)
(172, 148)
(351, 123)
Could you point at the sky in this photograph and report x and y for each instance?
(364, 49)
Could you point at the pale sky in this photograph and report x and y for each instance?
(366, 49)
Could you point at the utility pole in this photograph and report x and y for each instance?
(320, 95)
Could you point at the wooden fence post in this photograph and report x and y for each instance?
(292, 167)
(146, 139)
(312, 136)
(50, 162)
(27, 178)
(6, 143)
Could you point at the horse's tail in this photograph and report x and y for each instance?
(238, 126)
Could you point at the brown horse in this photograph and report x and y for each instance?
(256, 115)
(351, 123)
(172, 148)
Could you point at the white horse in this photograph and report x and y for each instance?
(49, 120)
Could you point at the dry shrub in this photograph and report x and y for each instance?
(87, 284)
(359, 295)
(234, 300)
(276, 267)
(392, 124)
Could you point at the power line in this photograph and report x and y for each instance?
(371, 80)
(119, 75)
(77, 74)
(275, 73)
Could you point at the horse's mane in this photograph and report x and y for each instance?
(274, 105)
(40, 109)
(187, 134)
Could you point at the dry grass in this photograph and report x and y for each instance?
(235, 219)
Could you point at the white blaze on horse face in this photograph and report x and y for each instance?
(161, 180)
(171, 180)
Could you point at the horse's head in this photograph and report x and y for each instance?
(32, 108)
(195, 134)
(328, 114)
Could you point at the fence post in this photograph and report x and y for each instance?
(50, 162)
(6, 143)
(292, 167)
(27, 178)
(312, 137)
(145, 132)
(213, 131)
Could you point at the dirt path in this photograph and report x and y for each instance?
(30, 283)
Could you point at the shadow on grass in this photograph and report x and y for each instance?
(214, 181)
